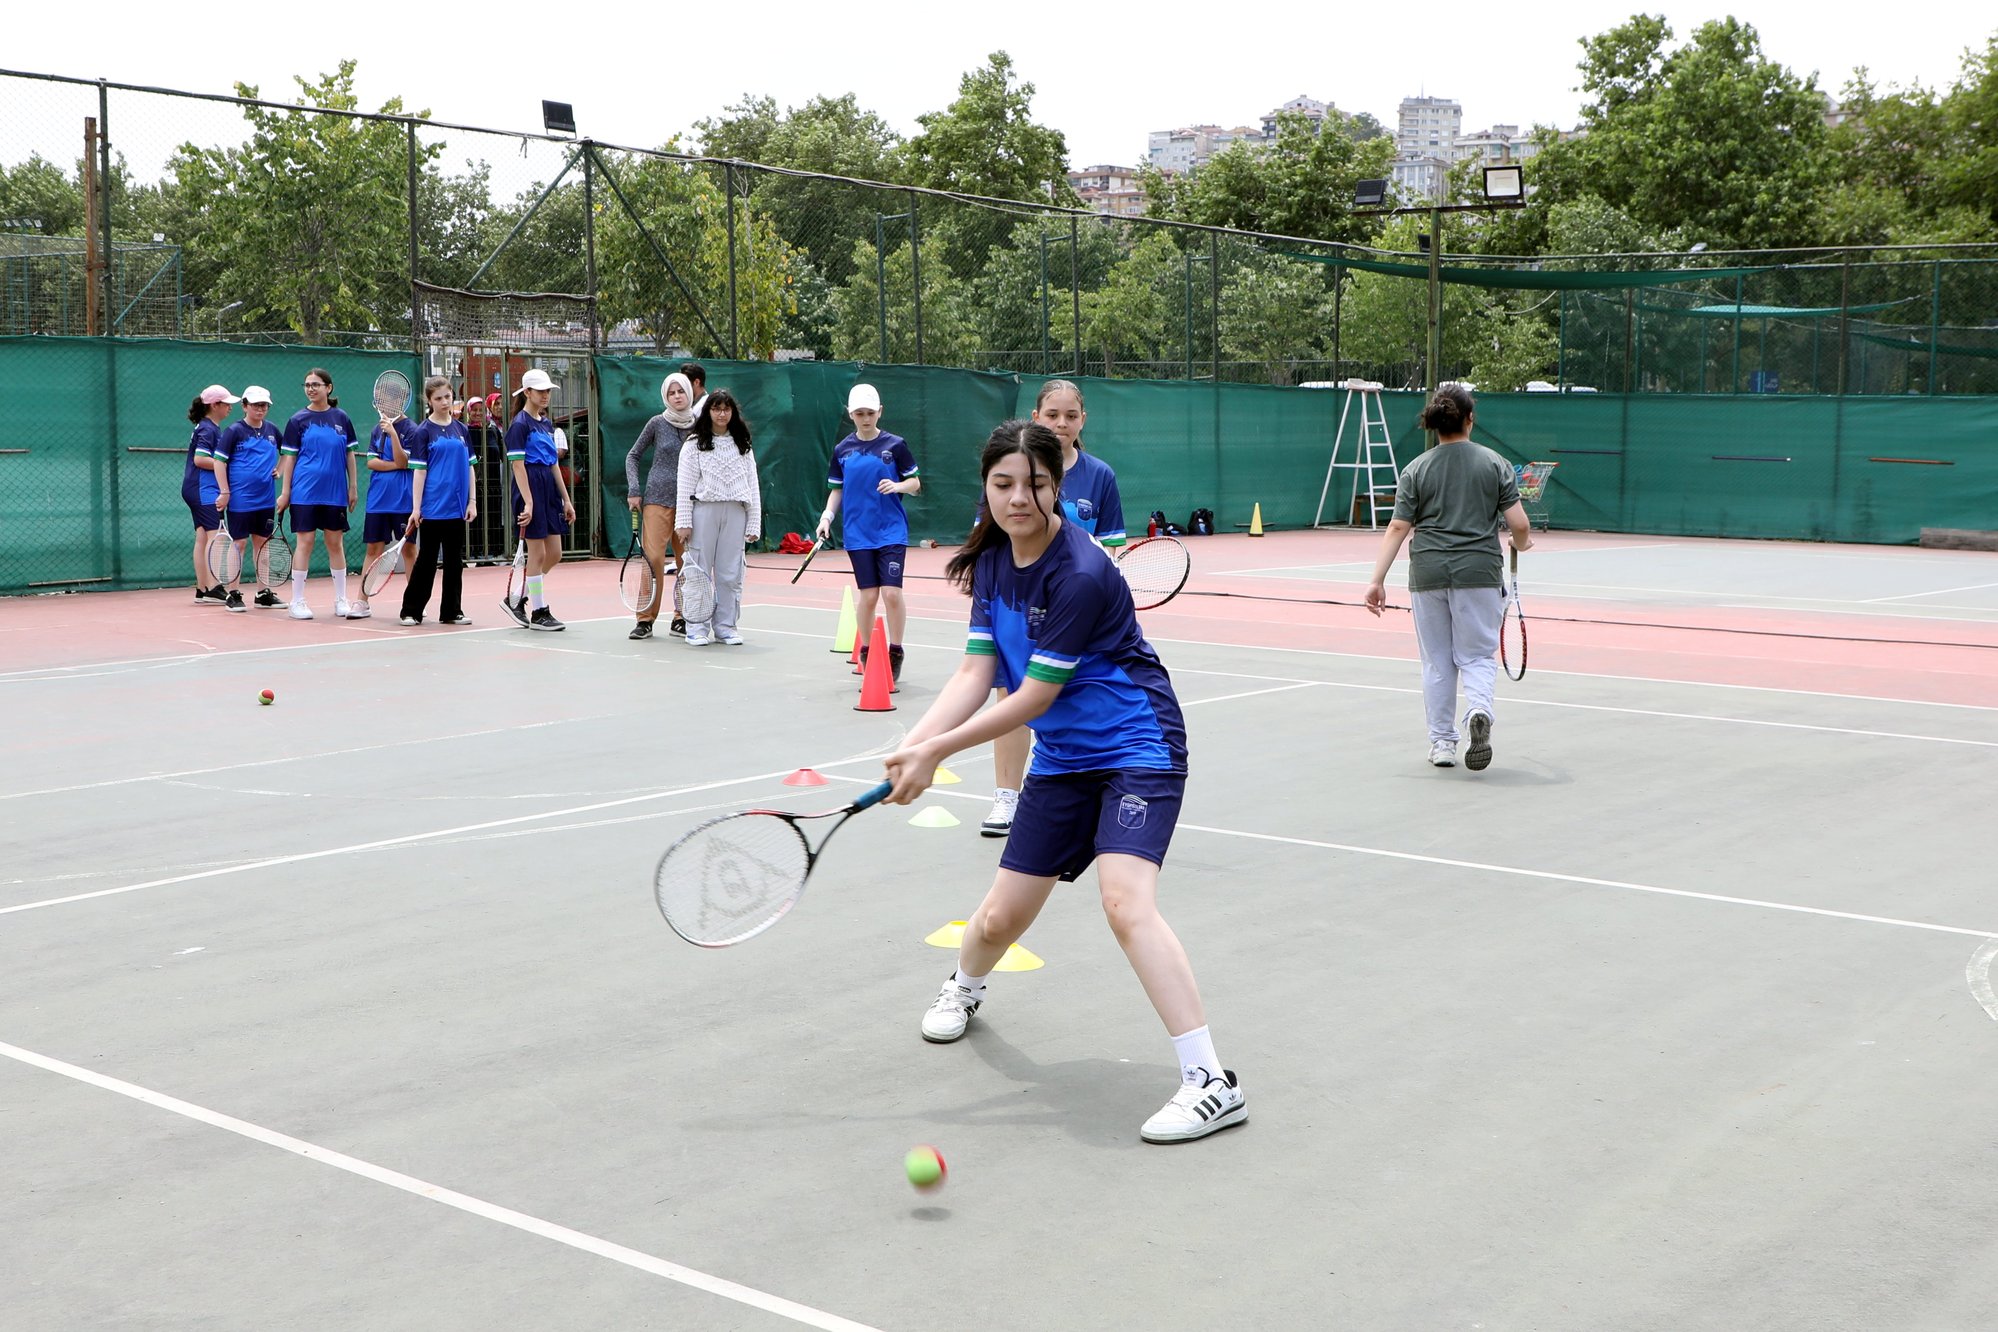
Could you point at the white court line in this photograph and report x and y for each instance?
(289, 758)
(1939, 592)
(506, 1216)
(409, 838)
(1978, 972)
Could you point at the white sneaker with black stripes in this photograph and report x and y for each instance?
(1196, 1111)
(951, 1013)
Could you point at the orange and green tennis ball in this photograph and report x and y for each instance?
(925, 1166)
(267, 698)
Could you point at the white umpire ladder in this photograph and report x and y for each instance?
(1373, 466)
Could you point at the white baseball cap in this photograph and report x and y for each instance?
(535, 379)
(863, 398)
(256, 393)
(215, 393)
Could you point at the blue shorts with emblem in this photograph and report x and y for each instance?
(1065, 820)
(547, 520)
(378, 529)
(880, 567)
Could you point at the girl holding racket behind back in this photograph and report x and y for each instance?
(1051, 619)
(721, 507)
(1453, 498)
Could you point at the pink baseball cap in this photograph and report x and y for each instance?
(215, 393)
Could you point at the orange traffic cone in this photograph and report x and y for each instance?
(859, 656)
(879, 681)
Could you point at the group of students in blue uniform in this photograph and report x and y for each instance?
(242, 478)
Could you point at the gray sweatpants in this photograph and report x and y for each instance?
(1457, 630)
(719, 528)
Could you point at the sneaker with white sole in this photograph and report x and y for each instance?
(1443, 754)
(411, 621)
(235, 601)
(1196, 1111)
(267, 599)
(951, 1013)
(999, 819)
(360, 610)
(730, 638)
(300, 611)
(343, 609)
(1478, 754)
(698, 635)
(516, 609)
(544, 620)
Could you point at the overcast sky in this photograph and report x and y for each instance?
(1105, 74)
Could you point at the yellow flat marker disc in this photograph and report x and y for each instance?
(945, 777)
(936, 816)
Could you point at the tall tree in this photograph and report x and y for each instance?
(296, 220)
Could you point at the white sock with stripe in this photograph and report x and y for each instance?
(298, 584)
(535, 599)
(1197, 1060)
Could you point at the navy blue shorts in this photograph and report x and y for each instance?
(1065, 820)
(880, 567)
(251, 523)
(378, 529)
(547, 520)
(318, 517)
(205, 516)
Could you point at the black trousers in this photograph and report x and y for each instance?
(439, 541)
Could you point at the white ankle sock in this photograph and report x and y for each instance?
(340, 583)
(975, 984)
(297, 585)
(1197, 1060)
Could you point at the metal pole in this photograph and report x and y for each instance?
(415, 306)
(113, 460)
(1044, 300)
(1435, 299)
(1561, 363)
(881, 285)
(916, 274)
(728, 188)
(1338, 321)
(590, 238)
(1189, 316)
(1074, 296)
(90, 283)
(1734, 373)
(1935, 326)
(1214, 308)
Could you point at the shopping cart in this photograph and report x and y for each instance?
(1533, 495)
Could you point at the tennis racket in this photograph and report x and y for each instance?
(806, 563)
(734, 877)
(514, 603)
(697, 594)
(391, 394)
(634, 580)
(1156, 569)
(225, 557)
(1512, 627)
(394, 559)
(274, 560)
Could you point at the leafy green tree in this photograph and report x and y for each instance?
(677, 203)
(1013, 294)
(549, 253)
(1385, 317)
(1275, 311)
(1301, 185)
(1137, 315)
(881, 294)
(38, 195)
(1711, 137)
(987, 143)
(303, 222)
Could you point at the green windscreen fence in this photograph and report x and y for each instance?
(94, 443)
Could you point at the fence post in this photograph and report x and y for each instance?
(916, 274)
(1214, 304)
(1935, 325)
(1188, 284)
(415, 306)
(1844, 316)
(881, 282)
(112, 463)
(1075, 294)
(1435, 352)
(590, 235)
(734, 334)
(1044, 299)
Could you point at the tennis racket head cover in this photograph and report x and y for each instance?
(697, 594)
(1156, 568)
(225, 557)
(391, 393)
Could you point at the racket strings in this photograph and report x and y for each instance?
(1154, 568)
(732, 877)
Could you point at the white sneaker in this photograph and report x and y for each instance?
(359, 610)
(300, 611)
(1443, 754)
(343, 609)
(951, 1013)
(698, 635)
(731, 638)
(999, 820)
(1195, 1112)
(1478, 755)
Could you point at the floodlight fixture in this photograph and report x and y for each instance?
(1505, 184)
(558, 117)
(1370, 193)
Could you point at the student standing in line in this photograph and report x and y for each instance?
(389, 482)
(1453, 498)
(542, 508)
(656, 499)
(721, 508)
(1051, 617)
(871, 471)
(247, 460)
(443, 502)
(318, 482)
(199, 488)
(1090, 500)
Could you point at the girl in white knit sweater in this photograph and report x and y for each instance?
(721, 509)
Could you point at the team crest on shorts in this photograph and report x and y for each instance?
(894, 567)
(1131, 811)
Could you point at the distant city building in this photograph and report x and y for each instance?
(1190, 148)
(1430, 139)
(1310, 107)
(1427, 127)
(1113, 190)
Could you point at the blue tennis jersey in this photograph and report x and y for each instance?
(389, 492)
(320, 441)
(251, 455)
(870, 520)
(1067, 619)
(201, 444)
(441, 453)
(1090, 500)
(531, 440)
